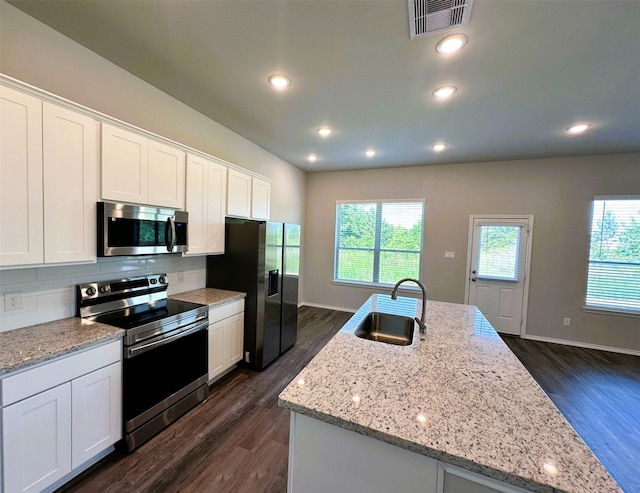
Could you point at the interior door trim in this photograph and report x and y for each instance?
(525, 287)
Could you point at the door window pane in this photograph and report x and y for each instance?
(498, 252)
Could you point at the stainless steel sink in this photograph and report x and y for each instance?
(385, 327)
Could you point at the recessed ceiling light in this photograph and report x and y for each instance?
(370, 153)
(451, 44)
(279, 81)
(312, 157)
(578, 128)
(444, 91)
(439, 147)
(324, 131)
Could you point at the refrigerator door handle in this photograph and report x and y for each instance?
(274, 284)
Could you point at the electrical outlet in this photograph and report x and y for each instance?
(566, 321)
(12, 301)
(449, 254)
(180, 276)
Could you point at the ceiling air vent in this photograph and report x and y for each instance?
(434, 16)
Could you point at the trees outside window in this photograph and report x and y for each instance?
(614, 257)
(378, 242)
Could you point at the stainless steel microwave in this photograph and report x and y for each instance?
(125, 229)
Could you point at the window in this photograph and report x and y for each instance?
(378, 242)
(499, 252)
(614, 258)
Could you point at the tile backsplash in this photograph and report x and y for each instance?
(48, 293)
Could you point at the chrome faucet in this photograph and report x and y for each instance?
(421, 322)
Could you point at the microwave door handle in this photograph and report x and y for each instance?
(171, 239)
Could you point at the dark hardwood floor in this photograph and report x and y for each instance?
(237, 441)
(598, 393)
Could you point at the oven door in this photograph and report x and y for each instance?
(160, 372)
(139, 230)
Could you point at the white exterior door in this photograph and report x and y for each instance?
(498, 265)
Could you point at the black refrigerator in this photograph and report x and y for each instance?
(261, 259)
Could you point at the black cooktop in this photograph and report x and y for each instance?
(136, 316)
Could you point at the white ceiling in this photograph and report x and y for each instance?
(530, 69)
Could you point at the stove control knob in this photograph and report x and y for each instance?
(91, 291)
(162, 280)
(104, 289)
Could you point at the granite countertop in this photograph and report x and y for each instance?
(457, 394)
(209, 296)
(21, 348)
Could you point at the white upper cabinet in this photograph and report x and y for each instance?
(206, 200)
(248, 196)
(71, 155)
(260, 198)
(125, 165)
(48, 182)
(21, 212)
(140, 170)
(166, 175)
(238, 194)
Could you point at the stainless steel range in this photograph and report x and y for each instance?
(165, 350)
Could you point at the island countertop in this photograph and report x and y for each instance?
(457, 394)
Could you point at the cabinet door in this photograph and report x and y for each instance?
(125, 165)
(206, 196)
(238, 193)
(216, 201)
(196, 202)
(217, 348)
(166, 175)
(71, 154)
(260, 198)
(236, 338)
(36, 440)
(21, 213)
(97, 412)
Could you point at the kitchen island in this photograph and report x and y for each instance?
(453, 411)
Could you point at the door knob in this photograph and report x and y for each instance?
(473, 279)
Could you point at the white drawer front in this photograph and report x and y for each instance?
(58, 371)
(227, 310)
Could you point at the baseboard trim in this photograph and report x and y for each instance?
(328, 307)
(585, 345)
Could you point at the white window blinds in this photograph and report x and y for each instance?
(614, 257)
(378, 242)
(499, 252)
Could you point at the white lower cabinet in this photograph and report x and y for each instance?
(97, 409)
(226, 338)
(323, 457)
(37, 440)
(59, 418)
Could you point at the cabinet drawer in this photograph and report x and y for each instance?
(49, 375)
(225, 311)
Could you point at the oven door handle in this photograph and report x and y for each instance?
(133, 351)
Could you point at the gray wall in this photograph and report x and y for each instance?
(34, 53)
(558, 192)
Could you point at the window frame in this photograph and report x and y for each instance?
(601, 308)
(376, 248)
